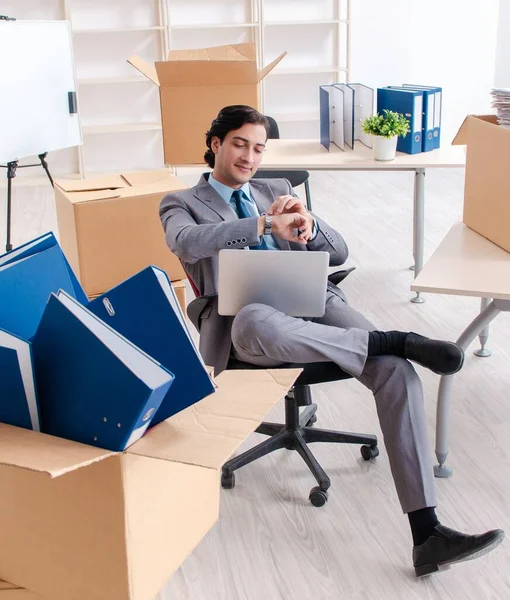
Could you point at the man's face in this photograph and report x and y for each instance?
(238, 157)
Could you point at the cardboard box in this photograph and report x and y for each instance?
(81, 523)
(180, 292)
(110, 228)
(194, 85)
(487, 185)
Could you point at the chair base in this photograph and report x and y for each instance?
(296, 434)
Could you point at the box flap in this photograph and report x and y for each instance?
(266, 70)
(207, 433)
(145, 184)
(77, 197)
(142, 177)
(207, 72)
(43, 453)
(144, 67)
(460, 138)
(108, 182)
(231, 52)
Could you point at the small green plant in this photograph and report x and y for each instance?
(386, 125)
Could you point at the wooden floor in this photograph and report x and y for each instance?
(270, 543)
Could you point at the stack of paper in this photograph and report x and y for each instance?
(501, 102)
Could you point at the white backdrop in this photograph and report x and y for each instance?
(37, 73)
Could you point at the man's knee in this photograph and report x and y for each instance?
(246, 322)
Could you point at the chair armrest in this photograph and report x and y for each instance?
(196, 308)
(337, 276)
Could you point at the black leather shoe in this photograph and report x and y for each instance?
(443, 358)
(446, 546)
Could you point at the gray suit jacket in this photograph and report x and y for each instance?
(198, 224)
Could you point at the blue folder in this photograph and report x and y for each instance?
(409, 103)
(94, 386)
(18, 398)
(144, 309)
(428, 141)
(28, 275)
(438, 102)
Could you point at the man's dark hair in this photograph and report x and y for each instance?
(231, 118)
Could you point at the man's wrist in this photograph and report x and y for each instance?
(261, 224)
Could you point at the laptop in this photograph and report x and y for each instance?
(293, 282)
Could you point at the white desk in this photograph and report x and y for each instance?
(310, 155)
(465, 264)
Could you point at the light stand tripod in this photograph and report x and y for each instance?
(12, 167)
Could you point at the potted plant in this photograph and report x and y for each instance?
(386, 129)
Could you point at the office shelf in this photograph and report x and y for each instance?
(118, 30)
(120, 128)
(107, 80)
(320, 38)
(307, 70)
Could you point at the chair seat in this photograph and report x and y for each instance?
(316, 372)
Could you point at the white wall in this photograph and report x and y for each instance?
(447, 43)
(502, 75)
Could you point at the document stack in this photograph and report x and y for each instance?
(99, 372)
(501, 102)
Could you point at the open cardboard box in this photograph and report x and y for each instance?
(194, 85)
(81, 523)
(109, 227)
(487, 185)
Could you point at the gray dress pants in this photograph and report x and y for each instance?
(264, 336)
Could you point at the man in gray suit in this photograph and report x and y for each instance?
(227, 209)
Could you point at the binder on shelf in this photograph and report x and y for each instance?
(427, 128)
(331, 101)
(438, 104)
(145, 310)
(94, 386)
(363, 103)
(28, 275)
(18, 396)
(409, 103)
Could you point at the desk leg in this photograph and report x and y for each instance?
(418, 226)
(445, 385)
(484, 335)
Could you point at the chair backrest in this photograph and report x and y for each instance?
(274, 132)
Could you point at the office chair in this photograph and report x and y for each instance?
(295, 177)
(297, 431)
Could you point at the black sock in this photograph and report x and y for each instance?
(386, 342)
(422, 524)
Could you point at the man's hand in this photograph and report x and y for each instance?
(284, 227)
(287, 204)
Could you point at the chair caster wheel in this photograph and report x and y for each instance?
(318, 497)
(311, 421)
(228, 482)
(369, 452)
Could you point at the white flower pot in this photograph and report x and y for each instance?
(384, 148)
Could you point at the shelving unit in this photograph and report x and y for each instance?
(119, 109)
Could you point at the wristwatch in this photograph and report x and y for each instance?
(268, 227)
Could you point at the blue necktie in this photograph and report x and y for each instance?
(243, 212)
